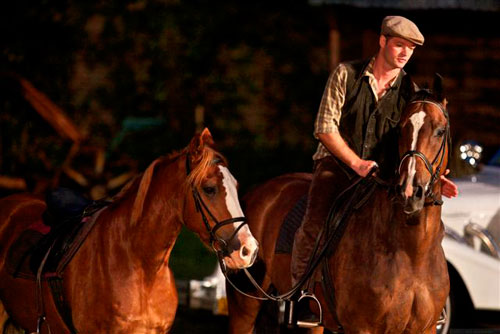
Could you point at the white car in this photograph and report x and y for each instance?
(471, 246)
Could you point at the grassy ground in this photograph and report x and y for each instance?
(190, 259)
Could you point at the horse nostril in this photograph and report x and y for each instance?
(419, 192)
(244, 251)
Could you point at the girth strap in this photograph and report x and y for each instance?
(64, 309)
(55, 278)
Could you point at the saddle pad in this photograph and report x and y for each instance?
(290, 225)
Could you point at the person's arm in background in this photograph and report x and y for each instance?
(448, 188)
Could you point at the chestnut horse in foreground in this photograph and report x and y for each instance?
(388, 272)
(119, 281)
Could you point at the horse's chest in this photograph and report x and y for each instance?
(135, 305)
(153, 306)
(396, 280)
(386, 290)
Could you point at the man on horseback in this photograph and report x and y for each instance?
(356, 126)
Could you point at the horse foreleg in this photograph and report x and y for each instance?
(243, 312)
(6, 326)
(3, 318)
(431, 330)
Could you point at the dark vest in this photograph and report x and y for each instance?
(370, 128)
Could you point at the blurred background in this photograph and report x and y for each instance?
(92, 91)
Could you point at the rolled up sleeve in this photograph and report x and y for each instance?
(330, 109)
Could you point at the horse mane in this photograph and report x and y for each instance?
(140, 184)
(203, 162)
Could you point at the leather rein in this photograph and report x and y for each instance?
(314, 263)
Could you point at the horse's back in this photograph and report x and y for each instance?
(12, 204)
(265, 205)
(265, 208)
(17, 212)
(273, 188)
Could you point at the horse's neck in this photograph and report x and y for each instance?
(417, 236)
(152, 237)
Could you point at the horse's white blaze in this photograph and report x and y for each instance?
(233, 205)
(417, 121)
(232, 202)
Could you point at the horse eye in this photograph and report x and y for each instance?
(440, 132)
(210, 191)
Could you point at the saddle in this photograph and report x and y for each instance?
(43, 250)
(59, 230)
(290, 225)
(340, 207)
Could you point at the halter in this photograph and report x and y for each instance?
(439, 155)
(219, 245)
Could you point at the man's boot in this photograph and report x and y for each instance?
(299, 311)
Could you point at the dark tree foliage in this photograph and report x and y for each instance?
(256, 69)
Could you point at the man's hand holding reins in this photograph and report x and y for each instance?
(363, 167)
(338, 147)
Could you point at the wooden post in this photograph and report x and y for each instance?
(370, 43)
(333, 40)
(199, 117)
(12, 183)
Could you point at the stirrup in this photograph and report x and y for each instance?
(442, 317)
(291, 310)
(41, 319)
(310, 324)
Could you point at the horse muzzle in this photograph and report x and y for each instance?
(242, 251)
(412, 196)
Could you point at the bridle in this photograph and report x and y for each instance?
(439, 155)
(219, 245)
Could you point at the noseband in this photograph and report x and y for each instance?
(439, 155)
(219, 245)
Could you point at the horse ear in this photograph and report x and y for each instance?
(198, 143)
(415, 87)
(207, 137)
(438, 88)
